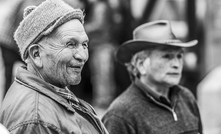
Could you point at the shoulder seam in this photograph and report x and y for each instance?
(46, 124)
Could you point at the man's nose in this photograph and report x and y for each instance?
(176, 63)
(81, 53)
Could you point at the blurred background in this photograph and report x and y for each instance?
(109, 23)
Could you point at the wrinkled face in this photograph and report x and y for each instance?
(65, 55)
(164, 66)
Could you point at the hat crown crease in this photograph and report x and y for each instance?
(159, 32)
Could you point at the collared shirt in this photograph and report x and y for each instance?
(66, 93)
(150, 93)
(77, 103)
(81, 106)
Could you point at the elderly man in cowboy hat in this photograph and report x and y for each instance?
(154, 103)
(53, 44)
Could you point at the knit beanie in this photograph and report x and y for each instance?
(41, 21)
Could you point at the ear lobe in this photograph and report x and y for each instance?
(34, 53)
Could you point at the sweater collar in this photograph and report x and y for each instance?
(152, 94)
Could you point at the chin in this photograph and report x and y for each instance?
(174, 83)
(75, 81)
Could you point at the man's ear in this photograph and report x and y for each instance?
(142, 65)
(35, 54)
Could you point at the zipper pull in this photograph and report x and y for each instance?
(174, 115)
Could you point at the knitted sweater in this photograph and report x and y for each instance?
(135, 112)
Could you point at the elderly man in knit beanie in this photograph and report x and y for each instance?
(53, 43)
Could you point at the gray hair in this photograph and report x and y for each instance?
(132, 65)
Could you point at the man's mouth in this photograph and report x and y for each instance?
(76, 68)
(174, 74)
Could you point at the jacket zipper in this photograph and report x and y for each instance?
(174, 115)
(172, 110)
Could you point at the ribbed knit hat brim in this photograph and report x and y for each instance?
(42, 20)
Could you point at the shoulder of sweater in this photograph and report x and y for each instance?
(126, 103)
(185, 92)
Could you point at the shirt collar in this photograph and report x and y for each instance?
(155, 95)
(66, 93)
(147, 90)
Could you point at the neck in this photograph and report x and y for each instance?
(33, 69)
(161, 89)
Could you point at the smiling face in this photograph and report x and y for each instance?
(64, 54)
(164, 66)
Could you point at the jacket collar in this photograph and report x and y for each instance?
(27, 79)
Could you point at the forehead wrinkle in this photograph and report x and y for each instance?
(64, 35)
(78, 38)
(72, 31)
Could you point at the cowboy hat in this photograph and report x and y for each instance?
(150, 34)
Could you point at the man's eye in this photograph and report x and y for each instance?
(71, 45)
(180, 56)
(85, 45)
(167, 56)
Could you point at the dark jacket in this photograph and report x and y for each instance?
(137, 112)
(32, 107)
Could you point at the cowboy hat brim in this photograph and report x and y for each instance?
(129, 48)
